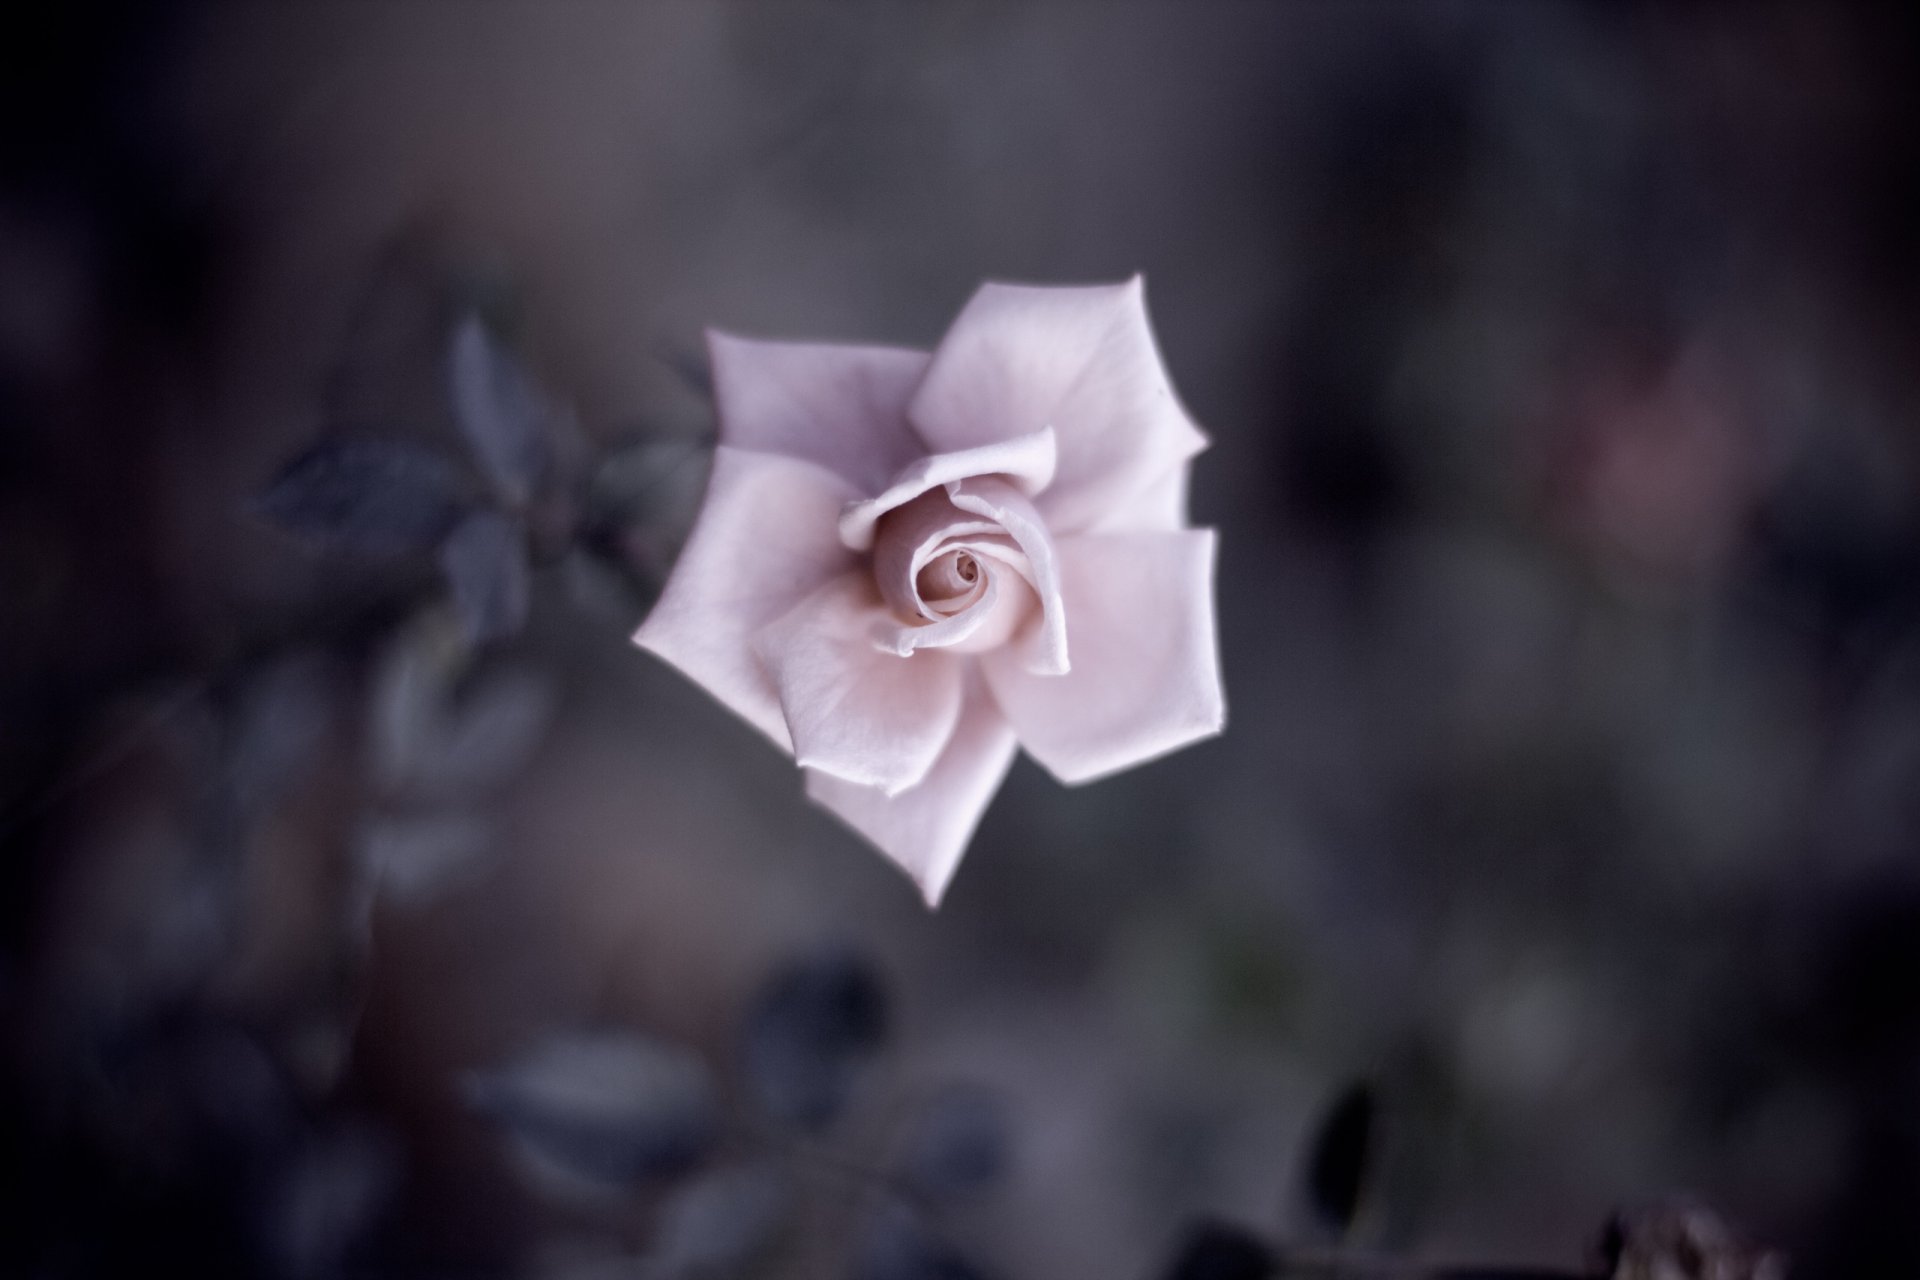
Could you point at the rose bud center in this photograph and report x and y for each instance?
(948, 580)
(959, 580)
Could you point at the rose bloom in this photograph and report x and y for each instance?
(907, 564)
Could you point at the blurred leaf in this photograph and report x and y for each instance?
(328, 1197)
(486, 287)
(640, 504)
(690, 367)
(599, 584)
(414, 680)
(651, 481)
(1337, 1160)
(593, 1260)
(485, 561)
(187, 929)
(490, 734)
(1679, 1240)
(609, 1107)
(500, 411)
(1218, 1251)
(811, 1030)
(414, 857)
(179, 1096)
(382, 496)
(898, 1244)
(280, 715)
(959, 1143)
(237, 1091)
(721, 1221)
(316, 1049)
(429, 741)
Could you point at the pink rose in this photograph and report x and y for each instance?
(908, 564)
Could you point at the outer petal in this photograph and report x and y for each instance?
(925, 830)
(1146, 675)
(763, 541)
(1161, 505)
(855, 711)
(1082, 361)
(843, 407)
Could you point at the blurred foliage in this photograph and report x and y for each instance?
(369, 909)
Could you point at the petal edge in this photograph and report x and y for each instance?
(1146, 669)
(924, 831)
(842, 407)
(762, 541)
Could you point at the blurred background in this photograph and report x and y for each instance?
(372, 908)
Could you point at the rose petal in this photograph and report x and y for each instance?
(950, 632)
(931, 526)
(1146, 675)
(1026, 460)
(843, 407)
(949, 582)
(913, 534)
(1045, 651)
(925, 830)
(764, 540)
(1082, 361)
(855, 711)
(1161, 505)
(1008, 613)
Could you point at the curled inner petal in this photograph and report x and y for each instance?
(908, 542)
(1043, 647)
(962, 630)
(950, 581)
(951, 578)
(1024, 461)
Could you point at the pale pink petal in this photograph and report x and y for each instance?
(1026, 460)
(913, 534)
(764, 540)
(1082, 361)
(952, 632)
(855, 711)
(843, 407)
(1146, 675)
(925, 829)
(932, 530)
(1161, 505)
(1045, 651)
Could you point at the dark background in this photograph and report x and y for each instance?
(1561, 366)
